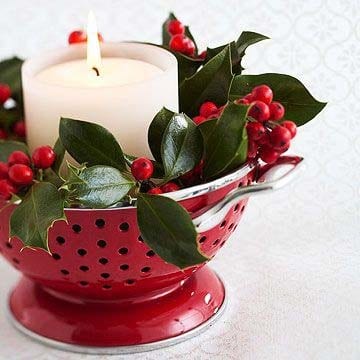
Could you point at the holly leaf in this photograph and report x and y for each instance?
(91, 143)
(210, 83)
(167, 228)
(9, 116)
(181, 147)
(300, 105)
(36, 214)
(99, 186)
(156, 131)
(60, 153)
(207, 127)
(10, 73)
(226, 147)
(8, 146)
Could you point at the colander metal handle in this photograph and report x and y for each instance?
(272, 177)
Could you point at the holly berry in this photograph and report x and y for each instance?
(3, 134)
(207, 109)
(203, 55)
(155, 191)
(242, 101)
(252, 149)
(255, 130)
(170, 187)
(80, 36)
(199, 119)
(43, 157)
(280, 137)
(182, 44)
(259, 111)
(19, 129)
(18, 157)
(291, 126)
(21, 174)
(5, 93)
(6, 189)
(264, 140)
(268, 154)
(262, 93)
(249, 98)
(277, 111)
(175, 27)
(142, 168)
(4, 169)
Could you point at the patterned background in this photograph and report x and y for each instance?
(293, 266)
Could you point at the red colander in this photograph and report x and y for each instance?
(104, 290)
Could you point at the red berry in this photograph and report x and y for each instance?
(189, 47)
(43, 157)
(255, 130)
(155, 191)
(175, 27)
(252, 149)
(6, 189)
(277, 111)
(208, 108)
(268, 154)
(170, 187)
(4, 169)
(242, 101)
(199, 119)
(21, 174)
(291, 126)
(5, 93)
(259, 111)
(19, 129)
(280, 137)
(182, 44)
(262, 93)
(3, 134)
(77, 36)
(249, 98)
(203, 55)
(18, 157)
(142, 168)
(264, 140)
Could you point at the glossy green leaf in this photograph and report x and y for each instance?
(10, 73)
(207, 127)
(182, 146)
(101, 186)
(226, 147)
(7, 147)
(156, 131)
(60, 153)
(300, 105)
(40, 209)
(167, 228)
(91, 144)
(210, 83)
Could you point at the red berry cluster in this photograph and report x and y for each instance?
(80, 36)
(208, 110)
(179, 42)
(19, 169)
(142, 169)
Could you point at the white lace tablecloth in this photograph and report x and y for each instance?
(292, 268)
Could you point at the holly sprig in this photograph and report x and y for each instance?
(185, 151)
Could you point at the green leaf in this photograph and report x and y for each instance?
(9, 116)
(40, 209)
(300, 105)
(101, 187)
(7, 147)
(60, 153)
(207, 127)
(10, 73)
(226, 147)
(91, 143)
(210, 83)
(167, 228)
(182, 146)
(156, 131)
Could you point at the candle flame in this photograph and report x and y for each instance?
(93, 44)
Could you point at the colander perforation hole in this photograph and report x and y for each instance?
(64, 272)
(76, 228)
(56, 256)
(216, 242)
(101, 243)
(82, 252)
(231, 226)
(84, 283)
(100, 223)
(202, 239)
(223, 224)
(150, 253)
(236, 208)
(241, 184)
(105, 275)
(123, 251)
(130, 282)
(60, 240)
(103, 261)
(243, 208)
(146, 269)
(84, 268)
(222, 244)
(8, 245)
(140, 239)
(124, 226)
(107, 287)
(124, 267)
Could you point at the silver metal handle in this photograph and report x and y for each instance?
(273, 177)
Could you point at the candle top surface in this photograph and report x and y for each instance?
(113, 72)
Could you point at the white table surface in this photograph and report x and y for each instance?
(292, 268)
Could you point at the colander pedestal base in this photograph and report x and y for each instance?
(107, 327)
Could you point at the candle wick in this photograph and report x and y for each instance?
(96, 71)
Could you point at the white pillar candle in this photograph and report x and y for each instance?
(135, 82)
